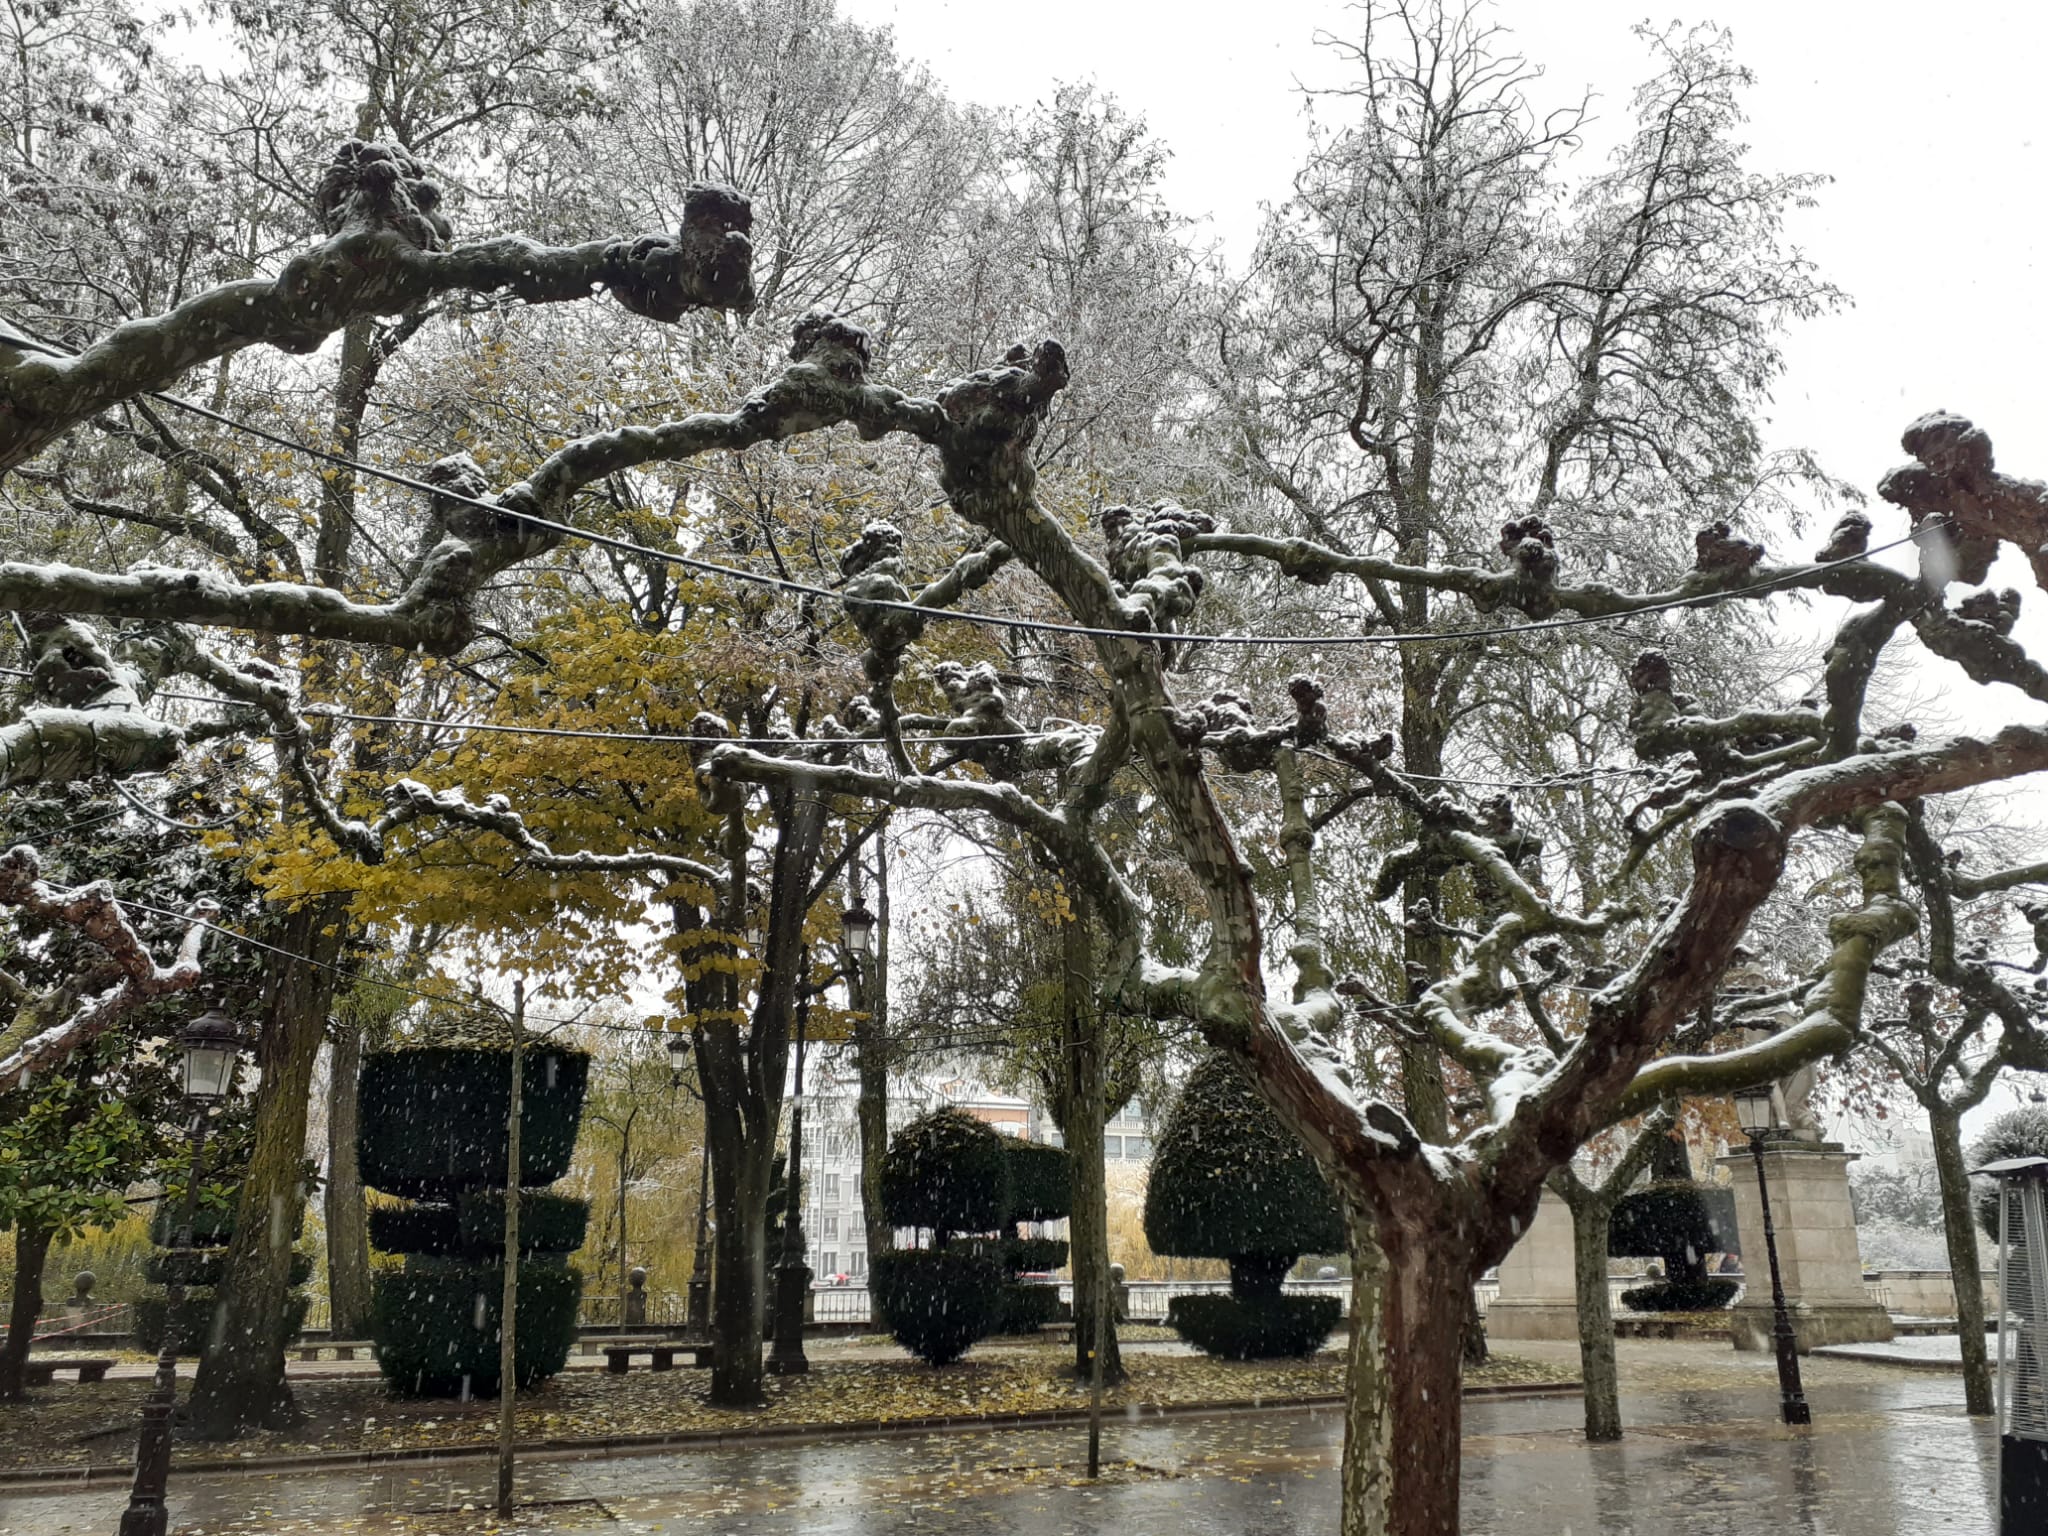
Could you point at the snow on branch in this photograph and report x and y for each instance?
(130, 978)
(388, 250)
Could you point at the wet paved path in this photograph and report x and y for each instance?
(1886, 1457)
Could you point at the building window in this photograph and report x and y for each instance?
(1136, 1147)
(831, 1262)
(857, 1262)
(831, 1232)
(1112, 1148)
(832, 1187)
(856, 1224)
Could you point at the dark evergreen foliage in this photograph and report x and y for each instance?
(1678, 1222)
(946, 1173)
(1709, 1295)
(434, 1117)
(2019, 1132)
(1041, 1182)
(437, 1325)
(1261, 1328)
(1229, 1181)
(937, 1302)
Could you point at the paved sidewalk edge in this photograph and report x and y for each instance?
(99, 1475)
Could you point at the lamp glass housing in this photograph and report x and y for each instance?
(857, 930)
(208, 1048)
(678, 1051)
(1753, 1108)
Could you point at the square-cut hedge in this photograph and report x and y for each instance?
(547, 1223)
(1028, 1305)
(420, 1228)
(196, 1320)
(205, 1266)
(1709, 1295)
(1264, 1328)
(434, 1117)
(437, 1325)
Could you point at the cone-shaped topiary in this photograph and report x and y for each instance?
(946, 1172)
(2019, 1132)
(434, 1127)
(1229, 1181)
(1679, 1223)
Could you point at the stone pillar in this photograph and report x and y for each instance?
(1538, 1296)
(1817, 1254)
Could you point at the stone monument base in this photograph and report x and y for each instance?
(1531, 1320)
(1751, 1325)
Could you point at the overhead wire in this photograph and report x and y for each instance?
(1038, 626)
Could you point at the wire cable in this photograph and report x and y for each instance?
(1036, 626)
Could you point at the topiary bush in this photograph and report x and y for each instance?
(946, 1172)
(1229, 1181)
(199, 1268)
(1261, 1328)
(437, 1325)
(1708, 1295)
(1677, 1221)
(937, 1302)
(434, 1127)
(2019, 1132)
(204, 1267)
(1034, 1255)
(1028, 1305)
(1041, 1183)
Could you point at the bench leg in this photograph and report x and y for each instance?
(92, 1373)
(663, 1361)
(615, 1365)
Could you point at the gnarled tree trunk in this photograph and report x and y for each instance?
(1088, 1220)
(1590, 1219)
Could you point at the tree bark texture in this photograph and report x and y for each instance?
(741, 1168)
(348, 1228)
(1590, 1217)
(1088, 1221)
(1964, 1270)
(31, 1253)
(241, 1383)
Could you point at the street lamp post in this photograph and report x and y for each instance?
(792, 1275)
(208, 1048)
(1755, 1109)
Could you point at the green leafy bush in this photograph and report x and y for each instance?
(415, 1229)
(213, 1226)
(1229, 1181)
(1028, 1305)
(195, 1321)
(1677, 1221)
(434, 1117)
(946, 1172)
(1041, 1182)
(1709, 1295)
(1034, 1255)
(2019, 1132)
(204, 1267)
(1264, 1328)
(547, 1223)
(437, 1325)
(937, 1302)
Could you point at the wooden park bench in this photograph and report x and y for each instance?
(344, 1349)
(661, 1356)
(40, 1371)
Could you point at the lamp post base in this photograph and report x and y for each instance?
(792, 1287)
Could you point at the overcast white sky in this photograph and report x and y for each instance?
(1927, 118)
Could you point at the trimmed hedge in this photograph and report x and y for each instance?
(213, 1226)
(547, 1223)
(1028, 1305)
(1041, 1182)
(1034, 1255)
(204, 1267)
(433, 1117)
(946, 1172)
(1268, 1328)
(1709, 1295)
(1229, 1181)
(437, 1325)
(415, 1229)
(2021, 1132)
(1679, 1222)
(195, 1321)
(937, 1302)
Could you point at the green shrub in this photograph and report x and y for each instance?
(415, 1229)
(2019, 1132)
(204, 1267)
(1028, 1305)
(936, 1302)
(1229, 1181)
(1265, 1328)
(213, 1226)
(1034, 1255)
(1709, 1295)
(547, 1223)
(1041, 1182)
(195, 1321)
(436, 1325)
(946, 1172)
(1677, 1221)
(434, 1117)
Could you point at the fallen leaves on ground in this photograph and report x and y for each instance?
(71, 1425)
